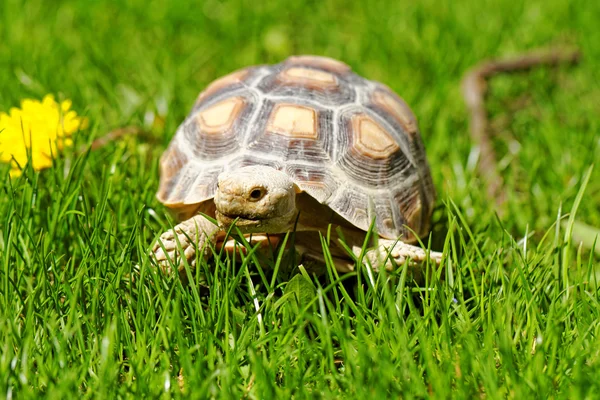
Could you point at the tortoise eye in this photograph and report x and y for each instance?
(257, 194)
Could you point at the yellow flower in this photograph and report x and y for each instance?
(41, 129)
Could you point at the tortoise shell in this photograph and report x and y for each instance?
(350, 143)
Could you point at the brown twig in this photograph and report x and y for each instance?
(474, 88)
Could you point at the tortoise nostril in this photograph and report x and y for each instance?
(257, 194)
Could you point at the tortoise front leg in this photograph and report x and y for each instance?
(194, 233)
(398, 251)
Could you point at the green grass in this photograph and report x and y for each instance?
(514, 312)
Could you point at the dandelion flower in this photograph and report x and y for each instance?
(40, 129)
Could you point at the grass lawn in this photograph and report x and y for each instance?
(516, 313)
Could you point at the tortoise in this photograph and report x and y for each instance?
(302, 145)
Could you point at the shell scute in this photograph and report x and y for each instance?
(319, 182)
(371, 139)
(219, 117)
(319, 62)
(231, 81)
(396, 109)
(310, 79)
(414, 211)
(292, 120)
(344, 203)
(292, 133)
(171, 164)
(213, 131)
(368, 156)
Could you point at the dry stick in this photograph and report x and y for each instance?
(474, 87)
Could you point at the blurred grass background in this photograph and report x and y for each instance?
(143, 63)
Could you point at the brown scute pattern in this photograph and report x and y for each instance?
(284, 84)
(319, 62)
(219, 117)
(212, 142)
(352, 205)
(388, 224)
(371, 139)
(249, 159)
(414, 211)
(171, 163)
(293, 121)
(192, 185)
(424, 173)
(232, 81)
(394, 109)
(368, 171)
(204, 185)
(308, 77)
(289, 148)
(374, 170)
(180, 186)
(315, 180)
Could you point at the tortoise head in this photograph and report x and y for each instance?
(257, 199)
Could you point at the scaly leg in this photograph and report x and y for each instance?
(388, 250)
(194, 233)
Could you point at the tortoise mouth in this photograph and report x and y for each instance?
(257, 224)
(226, 220)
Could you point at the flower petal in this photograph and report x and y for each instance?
(37, 130)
